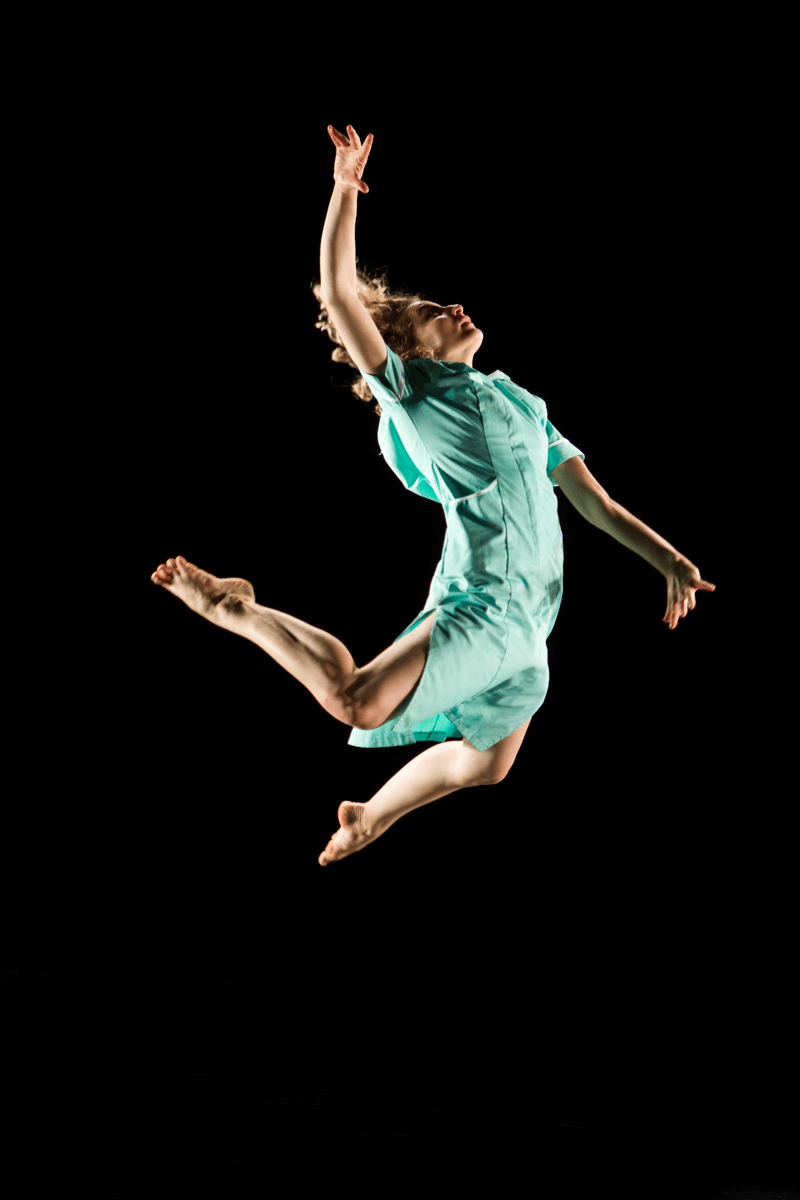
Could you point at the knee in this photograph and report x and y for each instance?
(361, 723)
(359, 713)
(368, 711)
(367, 718)
(479, 767)
(350, 704)
(484, 777)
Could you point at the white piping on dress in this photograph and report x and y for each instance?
(472, 495)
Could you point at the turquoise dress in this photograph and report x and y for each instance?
(483, 448)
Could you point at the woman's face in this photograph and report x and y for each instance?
(446, 331)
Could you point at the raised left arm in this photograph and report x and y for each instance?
(594, 503)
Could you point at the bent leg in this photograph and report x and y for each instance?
(494, 763)
(356, 696)
(382, 685)
(317, 659)
(434, 773)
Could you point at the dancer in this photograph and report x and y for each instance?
(472, 665)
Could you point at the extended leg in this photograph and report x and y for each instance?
(319, 660)
(355, 696)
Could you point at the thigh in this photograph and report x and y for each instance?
(495, 763)
(380, 687)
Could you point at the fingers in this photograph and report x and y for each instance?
(679, 606)
(677, 609)
(340, 139)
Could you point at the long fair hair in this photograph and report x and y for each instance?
(388, 308)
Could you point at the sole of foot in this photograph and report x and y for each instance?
(353, 834)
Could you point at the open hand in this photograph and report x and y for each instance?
(683, 580)
(351, 158)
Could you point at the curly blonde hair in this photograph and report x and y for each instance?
(388, 308)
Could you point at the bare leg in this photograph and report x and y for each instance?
(317, 659)
(361, 697)
(438, 771)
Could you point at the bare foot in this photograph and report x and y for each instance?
(354, 833)
(201, 591)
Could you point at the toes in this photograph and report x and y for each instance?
(328, 854)
(173, 568)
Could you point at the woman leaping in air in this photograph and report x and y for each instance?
(471, 670)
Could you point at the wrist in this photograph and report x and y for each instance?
(671, 558)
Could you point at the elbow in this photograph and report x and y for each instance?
(337, 294)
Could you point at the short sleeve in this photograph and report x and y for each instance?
(393, 388)
(559, 449)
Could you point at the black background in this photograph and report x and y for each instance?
(583, 969)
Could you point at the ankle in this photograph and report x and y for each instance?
(233, 611)
(374, 824)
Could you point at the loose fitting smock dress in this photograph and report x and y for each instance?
(483, 448)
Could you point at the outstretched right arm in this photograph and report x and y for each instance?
(337, 260)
